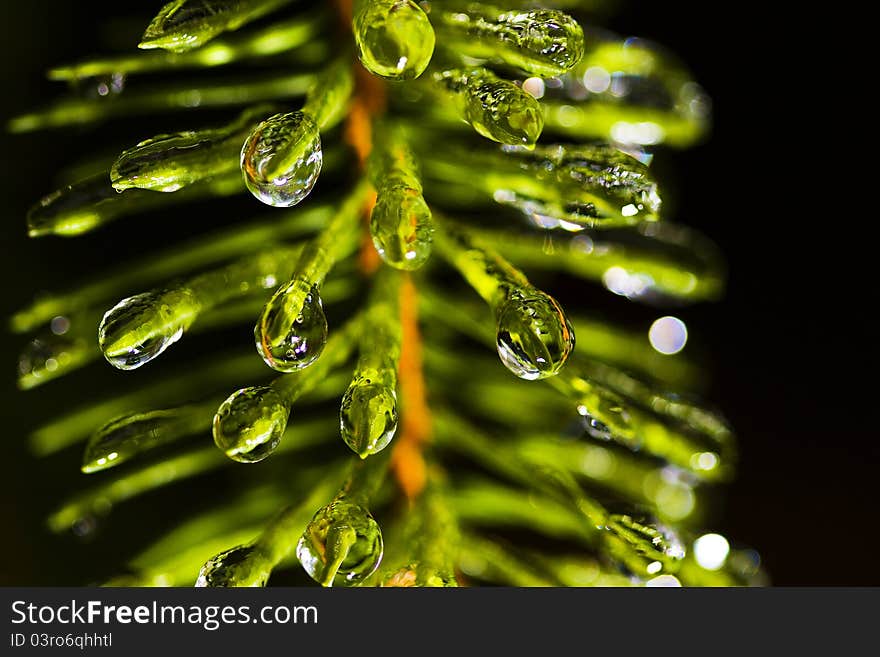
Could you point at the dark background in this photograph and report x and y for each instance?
(789, 353)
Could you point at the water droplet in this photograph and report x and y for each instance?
(292, 329)
(248, 426)
(244, 565)
(394, 38)
(368, 417)
(586, 185)
(282, 158)
(341, 545)
(127, 436)
(401, 227)
(595, 428)
(76, 208)
(496, 108)
(606, 416)
(137, 329)
(534, 336)
(161, 163)
(543, 42)
(182, 25)
(503, 112)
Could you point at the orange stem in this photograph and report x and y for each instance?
(407, 460)
(368, 101)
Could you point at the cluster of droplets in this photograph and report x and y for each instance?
(280, 158)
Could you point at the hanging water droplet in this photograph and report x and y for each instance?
(341, 545)
(244, 565)
(368, 417)
(595, 428)
(543, 42)
(139, 328)
(292, 329)
(248, 426)
(606, 415)
(182, 25)
(127, 436)
(394, 38)
(546, 41)
(401, 227)
(534, 336)
(496, 108)
(282, 158)
(502, 111)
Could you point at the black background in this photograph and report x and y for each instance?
(791, 355)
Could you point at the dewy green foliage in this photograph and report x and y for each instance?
(509, 140)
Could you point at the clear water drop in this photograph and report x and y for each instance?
(497, 109)
(292, 330)
(401, 227)
(534, 336)
(162, 163)
(244, 565)
(394, 38)
(546, 42)
(542, 42)
(281, 159)
(368, 417)
(248, 426)
(342, 544)
(503, 112)
(139, 328)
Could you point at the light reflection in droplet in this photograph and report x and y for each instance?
(534, 86)
(668, 335)
(711, 550)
